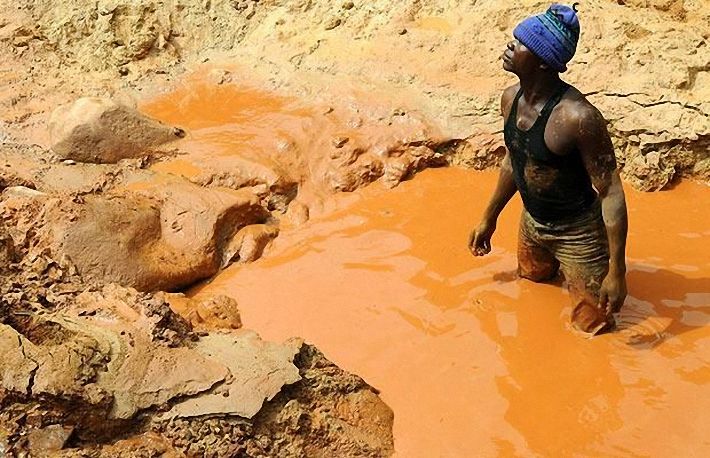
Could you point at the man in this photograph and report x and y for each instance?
(561, 159)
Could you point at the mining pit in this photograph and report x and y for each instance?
(239, 229)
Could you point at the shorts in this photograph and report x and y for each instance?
(580, 249)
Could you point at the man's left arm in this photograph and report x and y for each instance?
(597, 152)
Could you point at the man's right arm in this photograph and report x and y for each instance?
(479, 241)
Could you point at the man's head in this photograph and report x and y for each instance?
(544, 41)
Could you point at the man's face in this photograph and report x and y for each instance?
(519, 60)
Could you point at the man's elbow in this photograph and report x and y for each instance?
(610, 186)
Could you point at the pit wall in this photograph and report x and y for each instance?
(644, 64)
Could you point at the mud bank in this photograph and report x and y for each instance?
(475, 362)
(92, 369)
(644, 63)
(98, 362)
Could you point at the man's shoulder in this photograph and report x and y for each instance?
(580, 122)
(509, 93)
(575, 108)
(506, 100)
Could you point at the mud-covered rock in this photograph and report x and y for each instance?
(327, 413)
(103, 131)
(164, 238)
(207, 313)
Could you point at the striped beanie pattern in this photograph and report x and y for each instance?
(551, 36)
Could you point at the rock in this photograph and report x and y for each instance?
(100, 351)
(164, 238)
(49, 439)
(332, 23)
(212, 312)
(327, 412)
(102, 131)
(23, 192)
(249, 243)
(339, 142)
(219, 76)
(17, 369)
(478, 152)
(298, 213)
(648, 172)
(259, 370)
(218, 312)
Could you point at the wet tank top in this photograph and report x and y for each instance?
(554, 188)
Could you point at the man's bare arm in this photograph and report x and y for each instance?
(479, 241)
(597, 153)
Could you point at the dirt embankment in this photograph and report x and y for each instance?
(645, 64)
(87, 364)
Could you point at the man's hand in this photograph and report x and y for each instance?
(612, 292)
(479, 242)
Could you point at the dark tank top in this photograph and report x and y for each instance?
(554, 188)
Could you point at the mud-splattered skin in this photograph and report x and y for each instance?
(575, 126)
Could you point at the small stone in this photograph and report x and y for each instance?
(49, 439)
(332, 23)
(123, 71)
(348, 5)
(250, 11)
(339, 142)
(21, 41)
(402, 31)
(69, 162)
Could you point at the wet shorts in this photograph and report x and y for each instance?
(580, 249)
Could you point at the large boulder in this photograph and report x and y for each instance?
(102, 131)
(164, 238)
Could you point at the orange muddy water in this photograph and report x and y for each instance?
(475, 362)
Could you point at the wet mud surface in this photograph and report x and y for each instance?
(287, 148)
(474, 361)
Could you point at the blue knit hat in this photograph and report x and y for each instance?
(551, 36)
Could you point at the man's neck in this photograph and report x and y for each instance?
(539, 87)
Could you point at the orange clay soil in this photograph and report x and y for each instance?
(239, 136)
(475, 362)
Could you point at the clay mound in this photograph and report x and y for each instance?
(164, 239)
(124, 224)
(103, 131)
(84, 366)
